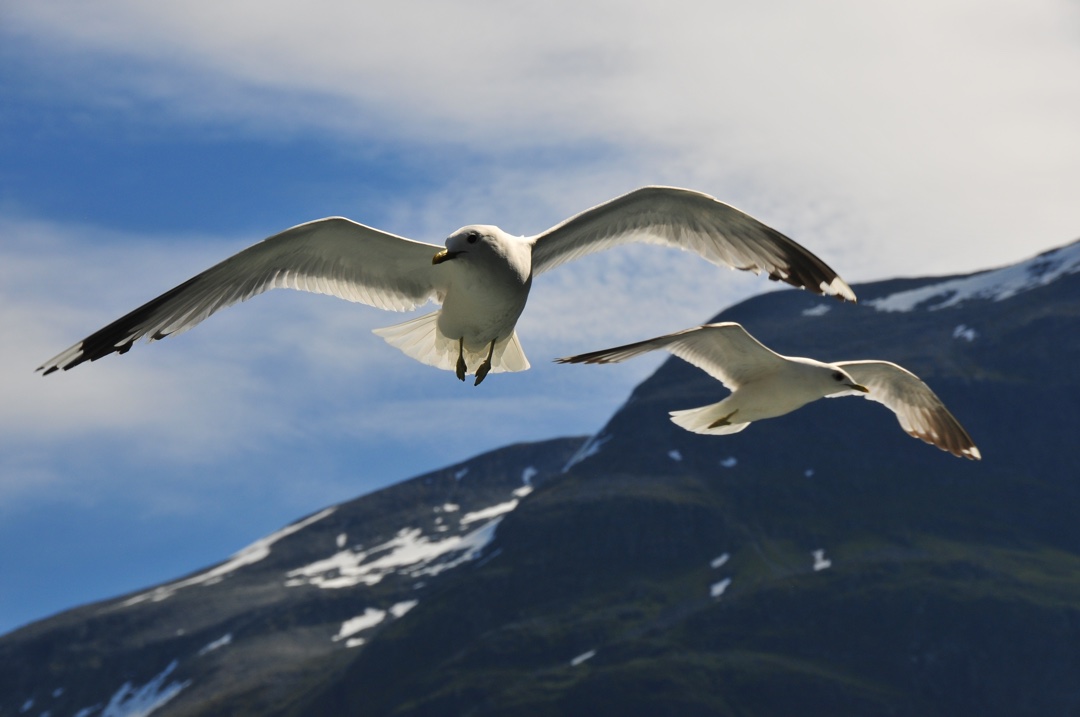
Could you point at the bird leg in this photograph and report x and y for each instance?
(461, 368)
(723, 421)
(482, 369)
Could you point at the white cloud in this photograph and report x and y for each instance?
(927, 137)
(59, 284)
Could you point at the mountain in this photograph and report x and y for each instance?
(276, 618)
(821, 563)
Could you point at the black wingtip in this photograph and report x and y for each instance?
(595, 357)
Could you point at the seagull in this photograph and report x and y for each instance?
(764, 384)
(481, 277)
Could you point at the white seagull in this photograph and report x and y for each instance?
(764, 384)
(482, 277)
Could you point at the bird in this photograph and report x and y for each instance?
(481, 276)
(765, 384)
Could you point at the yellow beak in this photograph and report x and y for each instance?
(444, 255)
(857, 387)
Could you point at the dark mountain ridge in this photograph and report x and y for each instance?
(820, 563)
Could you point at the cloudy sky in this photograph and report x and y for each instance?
(143, 142)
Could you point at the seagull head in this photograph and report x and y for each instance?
(467, 240)
(840, 382)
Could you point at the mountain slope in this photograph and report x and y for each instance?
(820, 563)
(255, 633)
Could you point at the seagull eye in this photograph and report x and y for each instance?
(838, 376)
(472, 238)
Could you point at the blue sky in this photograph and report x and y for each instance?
(141, 143)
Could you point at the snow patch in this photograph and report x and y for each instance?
(87, 711)
(341, 540)
(674, 455)
(992, 285)
(139, 702)
(27, 706)
(965, 333)
(809, 472)
(717, 589)
(461, 473)
(400, 608)
(409, 552)
(253, 553)
(820, 562)
(719, 560)
(819, 310)
(528, 474)
(447, 508)
(487, 513)
(729, 462)
(222, 641)
(57, 692)
(370, 618)
(522, 491)
(582, 658)
(590, 449)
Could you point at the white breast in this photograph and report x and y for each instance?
(487, 292)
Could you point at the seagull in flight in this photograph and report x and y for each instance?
(481, 277)
(764, 384)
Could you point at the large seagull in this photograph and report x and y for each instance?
(764, 384)
(482, 276)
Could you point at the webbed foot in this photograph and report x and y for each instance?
(482, 369)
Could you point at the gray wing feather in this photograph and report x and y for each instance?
(333, 256)
(725, 351)
(918, 409)
(691, 221)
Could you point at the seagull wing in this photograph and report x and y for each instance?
(920, 412)
(725, 351)
(328, 256)
(694, 222)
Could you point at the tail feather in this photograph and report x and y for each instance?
(421, 339)
(700, 420)
(508, 356)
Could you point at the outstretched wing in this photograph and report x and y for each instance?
(328, 256)
(920, 412)
(725, 351)
(694, 222)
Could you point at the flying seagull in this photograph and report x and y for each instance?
(482, 276)
(764, 384)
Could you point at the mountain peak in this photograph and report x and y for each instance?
(991, 285)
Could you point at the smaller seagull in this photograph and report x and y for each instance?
(482, 277)
(765, 384)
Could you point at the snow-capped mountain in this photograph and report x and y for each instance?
(995, 285)
(820, 563)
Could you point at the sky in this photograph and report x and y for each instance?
(141, 143)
